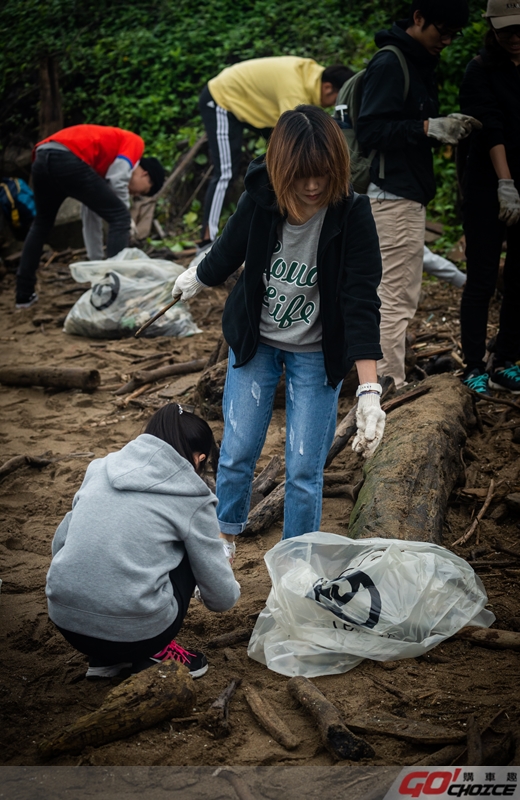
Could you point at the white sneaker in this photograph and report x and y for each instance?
(107, 672)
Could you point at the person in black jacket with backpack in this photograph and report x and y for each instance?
(491, 201)
(306, 301)
(401, 130)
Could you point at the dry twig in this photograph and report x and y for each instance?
(473, 527)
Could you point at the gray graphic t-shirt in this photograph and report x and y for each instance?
(290, 318)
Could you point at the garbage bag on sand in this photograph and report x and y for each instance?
(335, 601)
(126, 291)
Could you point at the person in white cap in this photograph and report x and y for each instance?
(491, 205)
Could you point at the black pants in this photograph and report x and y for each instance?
(484, 236)
(57, 174)
(225, 134)
(106, 653)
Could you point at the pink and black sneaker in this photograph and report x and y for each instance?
(195, 661)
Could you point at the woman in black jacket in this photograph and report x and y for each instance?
(490, 92)
(307, 302)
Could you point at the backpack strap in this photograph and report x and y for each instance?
(10, 197)
(406, 73)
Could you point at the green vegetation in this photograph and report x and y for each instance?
(141, 65)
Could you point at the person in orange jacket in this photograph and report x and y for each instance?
(101, 167)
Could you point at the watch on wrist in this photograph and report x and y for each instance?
(369, 387)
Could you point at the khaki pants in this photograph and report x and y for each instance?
(400, 227)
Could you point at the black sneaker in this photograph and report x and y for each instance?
(26, 302)
(194, 660)
(506, 378)
(478, 381)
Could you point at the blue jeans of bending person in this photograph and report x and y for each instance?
(311, 409)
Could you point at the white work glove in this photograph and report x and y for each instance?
(187, 285)
(370, 421)
(509, 200)
(453, 128)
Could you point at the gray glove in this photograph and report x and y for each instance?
(509, 200)
(187, 285)
(370, 421)
(453, 128)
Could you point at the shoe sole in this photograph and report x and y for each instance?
(107, 672)
(500, 388)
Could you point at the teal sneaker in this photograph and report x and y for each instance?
(506, 378)
(477, 381)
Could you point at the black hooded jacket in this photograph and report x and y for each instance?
(349, 272)
(394, 126)
(490, 91)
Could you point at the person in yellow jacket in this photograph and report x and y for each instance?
(254, 94)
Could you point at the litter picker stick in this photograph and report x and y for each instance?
(156, 316)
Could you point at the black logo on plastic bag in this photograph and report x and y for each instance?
(328, 594)
(104, 293)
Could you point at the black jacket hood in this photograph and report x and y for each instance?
(412, 49)
(258, 185)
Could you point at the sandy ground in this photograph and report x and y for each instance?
(42, 685)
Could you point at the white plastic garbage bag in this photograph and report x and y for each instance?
(126, 291)
(335, 601)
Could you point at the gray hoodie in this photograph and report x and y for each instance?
(136, 514)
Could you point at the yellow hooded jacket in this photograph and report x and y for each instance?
(259, 90)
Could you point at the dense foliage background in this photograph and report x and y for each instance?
(141, 65)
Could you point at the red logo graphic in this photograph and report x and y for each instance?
(417, 783)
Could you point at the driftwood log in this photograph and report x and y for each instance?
(143, 377)
(35, 461)
(337, 738)
(143, 700)
(52, 377)
(410, 730)
(267, 717)
(411, 475)
(228, 639)
(490, 637)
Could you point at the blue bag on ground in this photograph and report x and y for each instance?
(17, 203)
(335, 601)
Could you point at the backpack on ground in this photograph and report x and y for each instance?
(348, 104)
(18, 206)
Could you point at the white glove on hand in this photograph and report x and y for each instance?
(509, 200)
(453, 128)
(370, 421)
(187, 285)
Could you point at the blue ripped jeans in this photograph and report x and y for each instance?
(311, 409)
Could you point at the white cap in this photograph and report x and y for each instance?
(503, 13)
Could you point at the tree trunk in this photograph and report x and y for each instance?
(52, 377)
(143, 700)
(408, 480)
(51, 114)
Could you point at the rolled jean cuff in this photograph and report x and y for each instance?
(232, 528)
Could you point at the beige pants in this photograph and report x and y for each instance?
(400, 227)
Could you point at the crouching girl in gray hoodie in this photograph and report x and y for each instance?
(141, 534)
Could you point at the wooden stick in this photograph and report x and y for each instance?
(267, 717)
(413, 394)
(474, 743)
(163, 310)
(231, 638)
(499, 546)
(239, 785)
(215, 720)
(393, 690)
(334, 734)
(473, 527)
(35, 461)
(141, 390)
(151, 376)
(497, 400)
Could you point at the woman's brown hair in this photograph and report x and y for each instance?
(307, 143)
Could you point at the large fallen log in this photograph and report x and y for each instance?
(408, 480)
(142, 377)
(158, 693)
(335, 735)
(51, 377)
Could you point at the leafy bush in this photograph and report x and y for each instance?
(142, 65)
